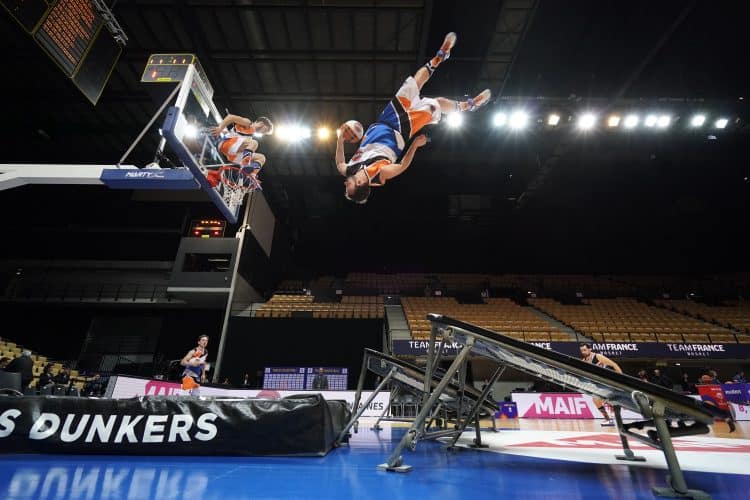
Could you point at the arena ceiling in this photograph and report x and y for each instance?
(478, 191)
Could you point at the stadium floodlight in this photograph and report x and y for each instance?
(553, 120)
(697, 121)
(518, 120)
(651, 120)
(292, 133)
(613, 120)
(721, 123)
(324, 133)
(663, 121)
(500, 119)
(455, 120)
(631, 121)
(586, 121)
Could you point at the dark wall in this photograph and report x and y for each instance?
(55, 331)
(58, 331)
(254, 343)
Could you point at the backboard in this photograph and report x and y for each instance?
(187, 129)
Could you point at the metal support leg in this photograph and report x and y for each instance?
(148, 125)
(675, 479)
(433, 416)
(361, 382)
(461, 392)
(361, 410)
(629, 455)
(395, 461)
(428, 368)
(474, 412)
(394, 395)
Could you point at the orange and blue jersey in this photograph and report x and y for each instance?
(195, 371)
(377, 136)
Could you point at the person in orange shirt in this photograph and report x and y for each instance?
(194, 362)
(375, 160)
(236, 142)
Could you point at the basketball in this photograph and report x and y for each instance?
(352, 131)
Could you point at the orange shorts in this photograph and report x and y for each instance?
(189, 383)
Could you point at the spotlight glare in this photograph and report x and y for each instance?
(553, 120)
(663, 121)
(518, 120)
(651, 120)
(455, 120)
(698, 121)
(191, 131)
(613, 120)
(586, 121)
(324, 133)
(631, 121)
(500, 119)
(292, 133)
(721, 123)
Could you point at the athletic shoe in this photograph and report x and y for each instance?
(480, 100)
(444, 52)
(448, 43)
(608, 423)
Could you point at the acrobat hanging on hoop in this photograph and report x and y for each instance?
(235, 141)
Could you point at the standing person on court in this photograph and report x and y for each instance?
(597, 359)
(404, 116)
(194, 362)
(320, 381)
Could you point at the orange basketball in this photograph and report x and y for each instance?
(352, 131)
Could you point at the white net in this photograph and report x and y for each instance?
(235, 184)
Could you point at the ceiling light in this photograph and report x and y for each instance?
(586, 121)
(721, 123)
(613, 120)
(500, 119)
(651, 120)
(518, 120)
(292, 133)
(631, 121)
(697, 120)
(455, 120)
(553, 120)
(663, 121)
(324, 133)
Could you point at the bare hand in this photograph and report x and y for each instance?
(216, 131)
(420, 140)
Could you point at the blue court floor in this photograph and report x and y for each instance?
(346, 472)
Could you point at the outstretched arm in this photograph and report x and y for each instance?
(396, 169)
(608, 362)
(340, 159)
(232, 119)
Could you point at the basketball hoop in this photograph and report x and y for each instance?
(236, 183)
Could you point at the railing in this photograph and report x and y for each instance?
(45, 291)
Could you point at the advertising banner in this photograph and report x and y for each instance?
(561, 405)
(128, 387)
(610, 349)
(158, 425)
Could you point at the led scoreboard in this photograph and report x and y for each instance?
(284, 378)
(208, 228)
(75, 35)
(300, 378)
(337, 378)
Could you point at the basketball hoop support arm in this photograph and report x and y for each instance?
(156, 115)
